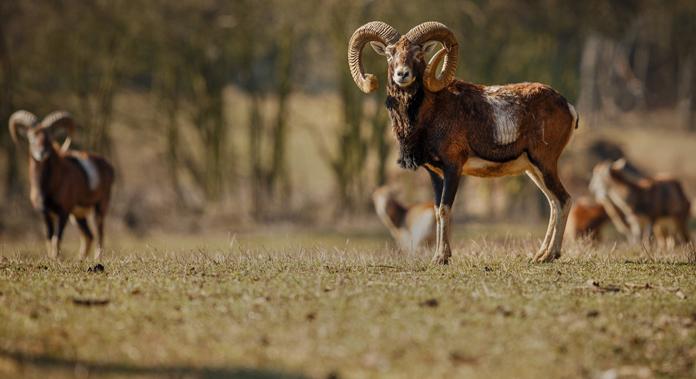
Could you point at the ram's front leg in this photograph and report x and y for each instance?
(646, 230)
(58, 235)
(443, 214)
(436, 181)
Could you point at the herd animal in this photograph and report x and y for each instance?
(64, 182)
(412, 226)
(453, 128)
(448, 126)
(642, 207)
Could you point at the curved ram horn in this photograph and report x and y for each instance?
(60, 119)
(20, 121)
(435, 31)
(431, 68)
(372, 31)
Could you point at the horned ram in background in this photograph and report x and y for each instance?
(411, 226)
(455, 128)
(64, 182)
(641, 206)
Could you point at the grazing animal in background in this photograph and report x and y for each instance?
(586, 219)
(455, 128)
(411, 226)
(64, 182)
(647, 205)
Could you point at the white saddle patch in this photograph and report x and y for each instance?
(91, 170)
(507, 129)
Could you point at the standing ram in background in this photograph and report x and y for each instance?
(454, 128)
(648, 205)
(64, 182)
(411, 226)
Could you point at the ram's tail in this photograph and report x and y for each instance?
(574, 114)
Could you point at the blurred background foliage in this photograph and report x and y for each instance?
(226, 112)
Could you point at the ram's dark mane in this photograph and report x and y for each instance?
(403, 106)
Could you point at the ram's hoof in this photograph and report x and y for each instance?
(441, 259)
(546, 256)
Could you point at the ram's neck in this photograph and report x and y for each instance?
(40, 177)
(403, 106)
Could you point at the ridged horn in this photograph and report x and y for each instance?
(372, 31)
(435, 31)
(21, 120)
(60, 119)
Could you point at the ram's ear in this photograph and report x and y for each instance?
(379, 48)
(429, 47)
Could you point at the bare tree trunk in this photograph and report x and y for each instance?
(13, 186)
(257, 192)
(170, 98)
(209, 121)
(350, 159)
(686, 99)
(352, 144)
(608, 83)
(214, 143)
(605, 84)
(588, 100)
(172, 131)
(278, 179)
(380, 123)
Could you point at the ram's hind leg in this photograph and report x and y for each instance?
(99, 220)
(564, 203)
(559, 203)
(99, 216)
(86, 240)
(58, 235)
(553, 214)
(50, 230)
(683, 230)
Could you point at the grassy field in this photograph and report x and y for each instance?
(330, 305)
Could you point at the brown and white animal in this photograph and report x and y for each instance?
(586, 219)
(64, 182)
(411, 226)
(453, 128)
(647, 205)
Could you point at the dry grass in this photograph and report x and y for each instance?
(294, 304)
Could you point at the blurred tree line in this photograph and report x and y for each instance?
(607, 56)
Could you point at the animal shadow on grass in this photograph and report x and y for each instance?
(45, 365)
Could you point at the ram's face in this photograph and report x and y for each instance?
(405, 60)
(39, 144)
